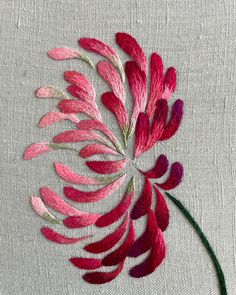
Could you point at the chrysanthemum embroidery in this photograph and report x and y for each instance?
(152, 120)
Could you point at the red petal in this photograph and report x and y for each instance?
(106, 167)
(175, 177)
(175, 120)
(77, 136)
(113, 79)
(84, 88)
(86, 263)
(58, 204)
(63, 53)
(147, 239)
(144, 202)
(96, 149)
(36, 149)
(138, 85)
(115, 105)
(159, 169)
(54, 117)
(98, 277)
(93, 196)
(109, 241)
(78, 106)
(162, 211)
(55, 237)
(122, 251)
(141, 134)
(169, 83)
(119, 210)
(156, 86)
(80, 221)
(133, 49)
(154, 259)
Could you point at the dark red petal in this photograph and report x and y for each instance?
(175, 177)
(133, 49)
(93, 196)
(115, 105)
(162, 210)
(103, 277)
(175, 120)
(156, 86)
(141, 133)
(55, 237)
(155, 258)
(96, 149)
(144, 202)
(147, 239)
(86, 263)
(119, 210)
(122, 251)
(80, 221)
(109, 241)
(169, 83)
(159, 169)
(106, 167)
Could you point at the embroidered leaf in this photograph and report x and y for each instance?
(113, 79)
(85, 263)
(120, 209)
(109, 241)
(96, 149)
(106, 167)
(142, 132)
(80, 221)
(175, 120)
(36, 149)
(54, 117)
(169, 83)
(162, 210)
(103, 277)
(55, 237)
(159, 169)
(42, 211)
(144, 202)
(93, 196)
(50, 92)
(133, 49)
(118, 255)
(175, 177)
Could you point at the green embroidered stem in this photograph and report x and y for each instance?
(205, 242)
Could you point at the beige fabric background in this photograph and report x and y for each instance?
(198, 38)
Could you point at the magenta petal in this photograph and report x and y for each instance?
(96, 149)
(159, 169)
(142, 132)
(80, 221)
(162, 210)
(175, 177)
(107, 167)
(85, 263)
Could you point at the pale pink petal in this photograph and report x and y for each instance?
(54, 117)
(50, 92)
(36, 149)
(63, 53)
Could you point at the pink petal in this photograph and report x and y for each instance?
(63, 53)
(162, 211)
(142, 132)
(115, 105)
(147, 239)
(169, 83)
(113, 79)
(144, 202)
(175, 177)
(106, 167)
(113, 215)
(36, 149)
(155, 258)
(59, 205)
(109, 241)
(55, 237)
(133, 49)
(96, 149)
(77, 136)
(50, 92)
(68, 175)
(159, 169)
(118, 255)
(86, 263)
(93, 196)
(80, 221)
(79, 106)
(103, 277)
(138, 86)
(54, 117)
(156, 86)
(174, 121)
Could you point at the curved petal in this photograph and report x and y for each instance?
(159, 169)
(93, 196)
(169, 83)
(50, 92)
(142, 132)
(80, 221)
(63, 53)
(55, 237)
(96, 149)
(85, 263)
(175, 177)
(107, 167)
(109, 241)
(113, 215)
(54, 117)
(162, 210)
(36, 149)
